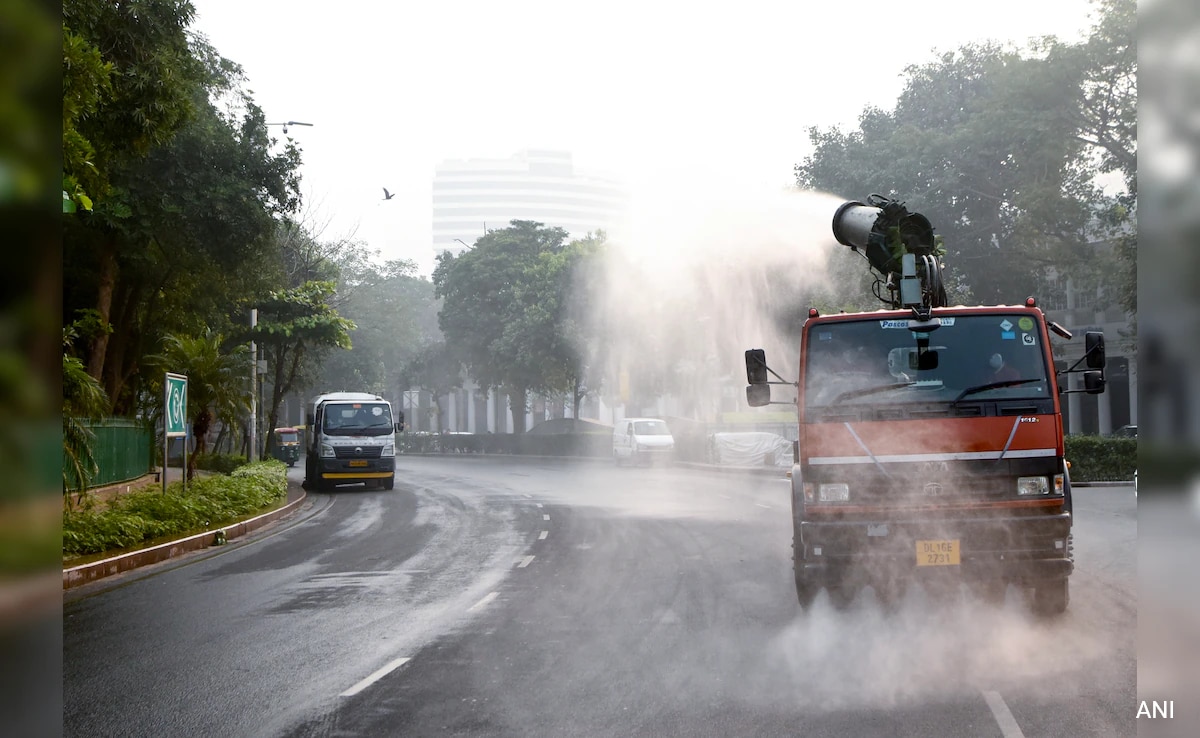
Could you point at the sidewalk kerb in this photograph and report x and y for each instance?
(96, 570)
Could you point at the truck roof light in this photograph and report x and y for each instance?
(1031, 302)
(813, 313)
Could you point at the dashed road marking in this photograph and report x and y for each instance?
(539, 504)
(545, 517)
(1004, 716)
(387, 669)
(543, 534)
(484, 602)
(525, 562)
(762, 505)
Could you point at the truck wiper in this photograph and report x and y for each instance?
(870, 390)
(991, 385)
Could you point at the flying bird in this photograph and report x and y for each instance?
(387, 195)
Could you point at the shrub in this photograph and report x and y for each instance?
(1101, 458)
(223, 463)
(139, 517)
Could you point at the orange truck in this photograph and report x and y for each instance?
(930, 437)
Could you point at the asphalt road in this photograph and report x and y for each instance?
(538, 598)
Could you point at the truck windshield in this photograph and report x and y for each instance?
(968, 358)
(357, 419)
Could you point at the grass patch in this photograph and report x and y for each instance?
(141, 518)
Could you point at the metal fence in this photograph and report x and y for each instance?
(122, 448)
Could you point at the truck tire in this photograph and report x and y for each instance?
(390, 482)
(1051, 597)
(806, 590)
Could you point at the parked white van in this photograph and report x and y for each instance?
(642, 441)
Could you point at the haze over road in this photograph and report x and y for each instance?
(518, 597)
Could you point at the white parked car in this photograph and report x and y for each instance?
(642, 441)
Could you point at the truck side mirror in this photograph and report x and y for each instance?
(758, 395)
(1093, 342)
(1093, 382)
(756, 367)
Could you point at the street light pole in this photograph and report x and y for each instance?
(250, 455)
(290, 123)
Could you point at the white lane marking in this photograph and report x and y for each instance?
(543, 534)
(389, 668)
(527, 496)
(762, 505)
(545, 517)
(1008, 724)
(539, 504)
(484, 602)
(525, 562)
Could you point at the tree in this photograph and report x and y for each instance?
(502, 309)
(297, 328)
(396, 317)
(180, 230)
(216, 372)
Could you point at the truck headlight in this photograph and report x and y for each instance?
(838, 492)
(389, 449)
(1033, 486)
(326, 451)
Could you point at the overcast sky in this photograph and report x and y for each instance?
(662, 95)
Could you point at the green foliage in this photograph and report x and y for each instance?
(139, 518)
(83, 397)
(509, 309)
(297, 329)
(999, 148)
(222, 463)
(395, 314)
(128, 78)
(217, 384)
(1101, 458)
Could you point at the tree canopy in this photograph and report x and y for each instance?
(507, 310)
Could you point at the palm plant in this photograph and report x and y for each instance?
(217, 384)
(83, 398)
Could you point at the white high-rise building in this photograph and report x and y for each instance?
(474, 196)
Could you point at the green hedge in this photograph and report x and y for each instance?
(1101, 458)
(223, 463)
(138, 518)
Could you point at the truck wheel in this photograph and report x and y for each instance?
(806, 590)
(390, 482)
(1051, 597)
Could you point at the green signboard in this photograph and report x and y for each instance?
(175, 409)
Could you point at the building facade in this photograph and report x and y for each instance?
(473, 196)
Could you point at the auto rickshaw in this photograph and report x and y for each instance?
(286, 446)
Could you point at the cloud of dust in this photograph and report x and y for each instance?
(868, 658)
(707, 274)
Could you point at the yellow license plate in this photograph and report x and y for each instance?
(358, 463)
(937, 553)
